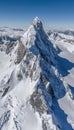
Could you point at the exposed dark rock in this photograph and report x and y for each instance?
(21, 50)
(44, 125)
(5, 91)
(37, 102)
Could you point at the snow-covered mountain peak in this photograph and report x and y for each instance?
(31, 87)
(37, 23)
(36, 35)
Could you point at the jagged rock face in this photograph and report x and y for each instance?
(33, 81)
(30, 66)
(10, 46)
(37, 102)
(21, 50)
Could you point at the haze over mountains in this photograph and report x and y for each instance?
(36, 79)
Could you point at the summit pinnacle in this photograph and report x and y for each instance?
(37, 22)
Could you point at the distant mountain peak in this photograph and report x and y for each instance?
(37, 22)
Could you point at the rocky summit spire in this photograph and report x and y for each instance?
(37, 23)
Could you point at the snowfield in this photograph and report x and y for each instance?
(36, 79)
